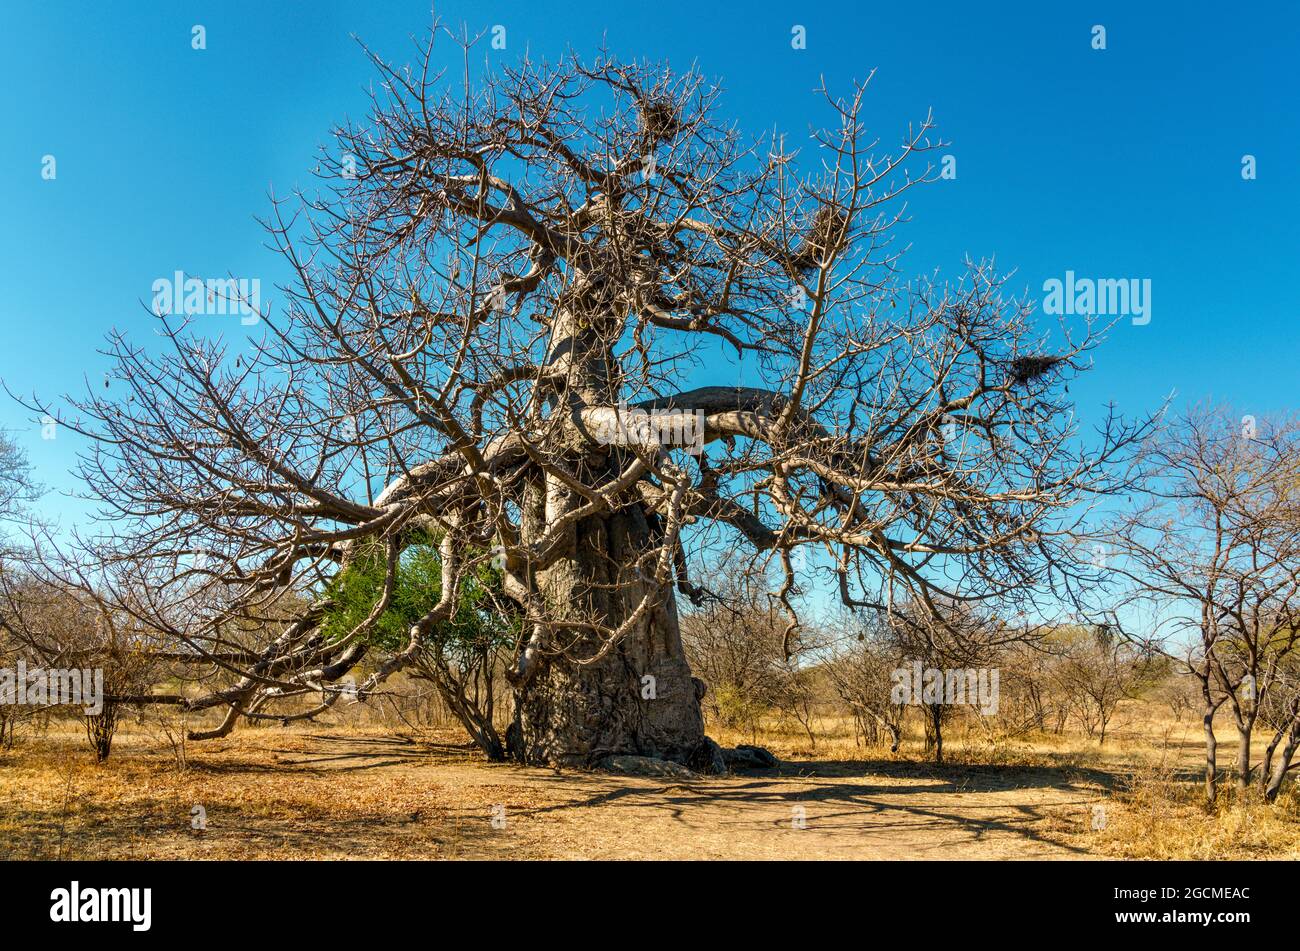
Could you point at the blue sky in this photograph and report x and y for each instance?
(1118, 163)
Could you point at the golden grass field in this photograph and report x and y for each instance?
(335, 790)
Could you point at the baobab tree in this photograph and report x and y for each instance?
(521, 307)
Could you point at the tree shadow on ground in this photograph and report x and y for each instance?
(851, 798)
(343, 754)
(968, 777)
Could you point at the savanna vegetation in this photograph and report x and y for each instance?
(459, 509)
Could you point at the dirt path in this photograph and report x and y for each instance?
(818, 811)
(287, 795)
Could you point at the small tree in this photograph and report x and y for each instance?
(1099, 672)
(1212, 547)
(799, 688)
(947, 635)
(1029, 696)
(1179, 693)
(58, 624)
(862, 675)
(738, 642)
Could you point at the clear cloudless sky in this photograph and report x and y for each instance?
(1118, 163)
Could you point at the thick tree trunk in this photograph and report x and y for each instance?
(578, 701)
(639, 697)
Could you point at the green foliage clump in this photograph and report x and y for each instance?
(476, 624)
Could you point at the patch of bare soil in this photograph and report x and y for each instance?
(326, 795)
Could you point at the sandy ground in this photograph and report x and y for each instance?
(338, 795)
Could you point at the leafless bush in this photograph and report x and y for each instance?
(1096, 673)
(57, 623)
(861, 677)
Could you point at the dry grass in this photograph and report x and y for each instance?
(261, 800)
(347, 791)
(1159, 812)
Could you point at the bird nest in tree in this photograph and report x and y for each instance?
(826, 234)
(659, 120)
(1027, 369)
